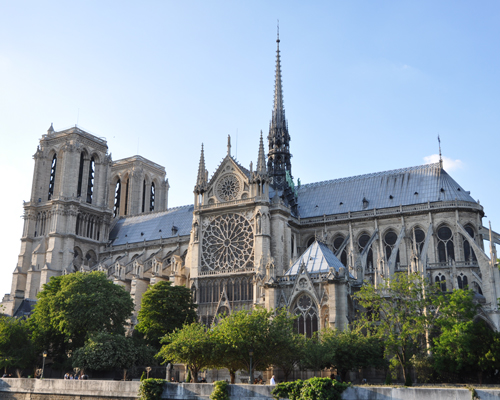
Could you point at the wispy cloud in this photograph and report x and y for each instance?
(448, 163)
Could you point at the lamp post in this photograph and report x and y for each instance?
(43, 365)
(250, 376)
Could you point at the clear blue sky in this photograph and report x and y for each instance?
(368, 86)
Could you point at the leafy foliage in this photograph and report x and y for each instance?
(73, 307)
(16, 349)
(164, 308)
(192, 345)
(151, 389)
(312, 389)
(348, 350)
(260, 331)
(220, 391)
(399, 313)
(105, 352)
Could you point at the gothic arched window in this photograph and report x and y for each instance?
(80, 175)
(90, 185)
(441, 281)
(446, 251)
(307, 312)
(52, 180)
(118, 189)
(469, 254)
(390, 239)
(126, 197)
(152, 197)
(362, 242)
(143, 195)
(337, 243)
(419, 236)
(463, 281)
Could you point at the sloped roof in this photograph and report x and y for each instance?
(406, 186)
(153, 226)
(25, 309)
(317, 258)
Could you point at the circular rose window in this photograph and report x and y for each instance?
(227, 244)
(228, 188)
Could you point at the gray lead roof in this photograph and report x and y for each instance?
(317, 258)
(153, 226)
(406, 186)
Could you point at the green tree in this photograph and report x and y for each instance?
(164, 308)
(461, 345)
(348, 350)
(16, 349)
(313, 356)
(399, 313)
(192, 345)
(73, 307)
(106, 351)
(286, 344)
(259, 331)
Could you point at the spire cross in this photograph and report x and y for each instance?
(229, 145)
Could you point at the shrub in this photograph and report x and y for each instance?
(143, 376)
(288, 390)
(151, 389)
(312, 389)
(220, 391)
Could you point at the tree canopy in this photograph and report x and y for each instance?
(71, 308)
(16, 349)
(164, 308)
(192, 345)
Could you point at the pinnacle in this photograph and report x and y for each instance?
(201, 180)
(261, 159)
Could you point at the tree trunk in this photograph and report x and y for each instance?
(124, 374)
(232, 374)
(343, 374)
(194, 374)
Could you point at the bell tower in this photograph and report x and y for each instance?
(67, 217)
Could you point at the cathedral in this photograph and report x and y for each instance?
(253, 236)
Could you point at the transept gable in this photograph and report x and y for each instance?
(229, 182)
(303, 284)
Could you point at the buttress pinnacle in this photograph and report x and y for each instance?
(201, 179)
(261, 159)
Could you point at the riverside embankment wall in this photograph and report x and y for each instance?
(58, 389)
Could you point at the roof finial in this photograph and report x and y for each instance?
(440, 156)
(201, 180)
(278, 39)
(229, 145)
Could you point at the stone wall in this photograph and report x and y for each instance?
(59, 389)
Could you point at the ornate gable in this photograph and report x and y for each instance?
(229, 183)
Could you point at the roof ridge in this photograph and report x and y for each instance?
(156, 212)
(370, 175)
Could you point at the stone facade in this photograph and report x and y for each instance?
(248, 238)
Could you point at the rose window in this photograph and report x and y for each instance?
(228, 188)
(227, 244)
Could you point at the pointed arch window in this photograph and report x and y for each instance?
(143, 195)
(52, 180)
(362, 243)
(446, 250)
(80, 175)
(390, 239)
(419, 237)
(307, 312)
(126, 197)
(463, 281)
(469, 254)
(337, 243)
(118, 189)
(441, 281)
(90, 184)
(152, 197)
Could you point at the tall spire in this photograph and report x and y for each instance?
(261, 159)
(201, 180)
(278, 159)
